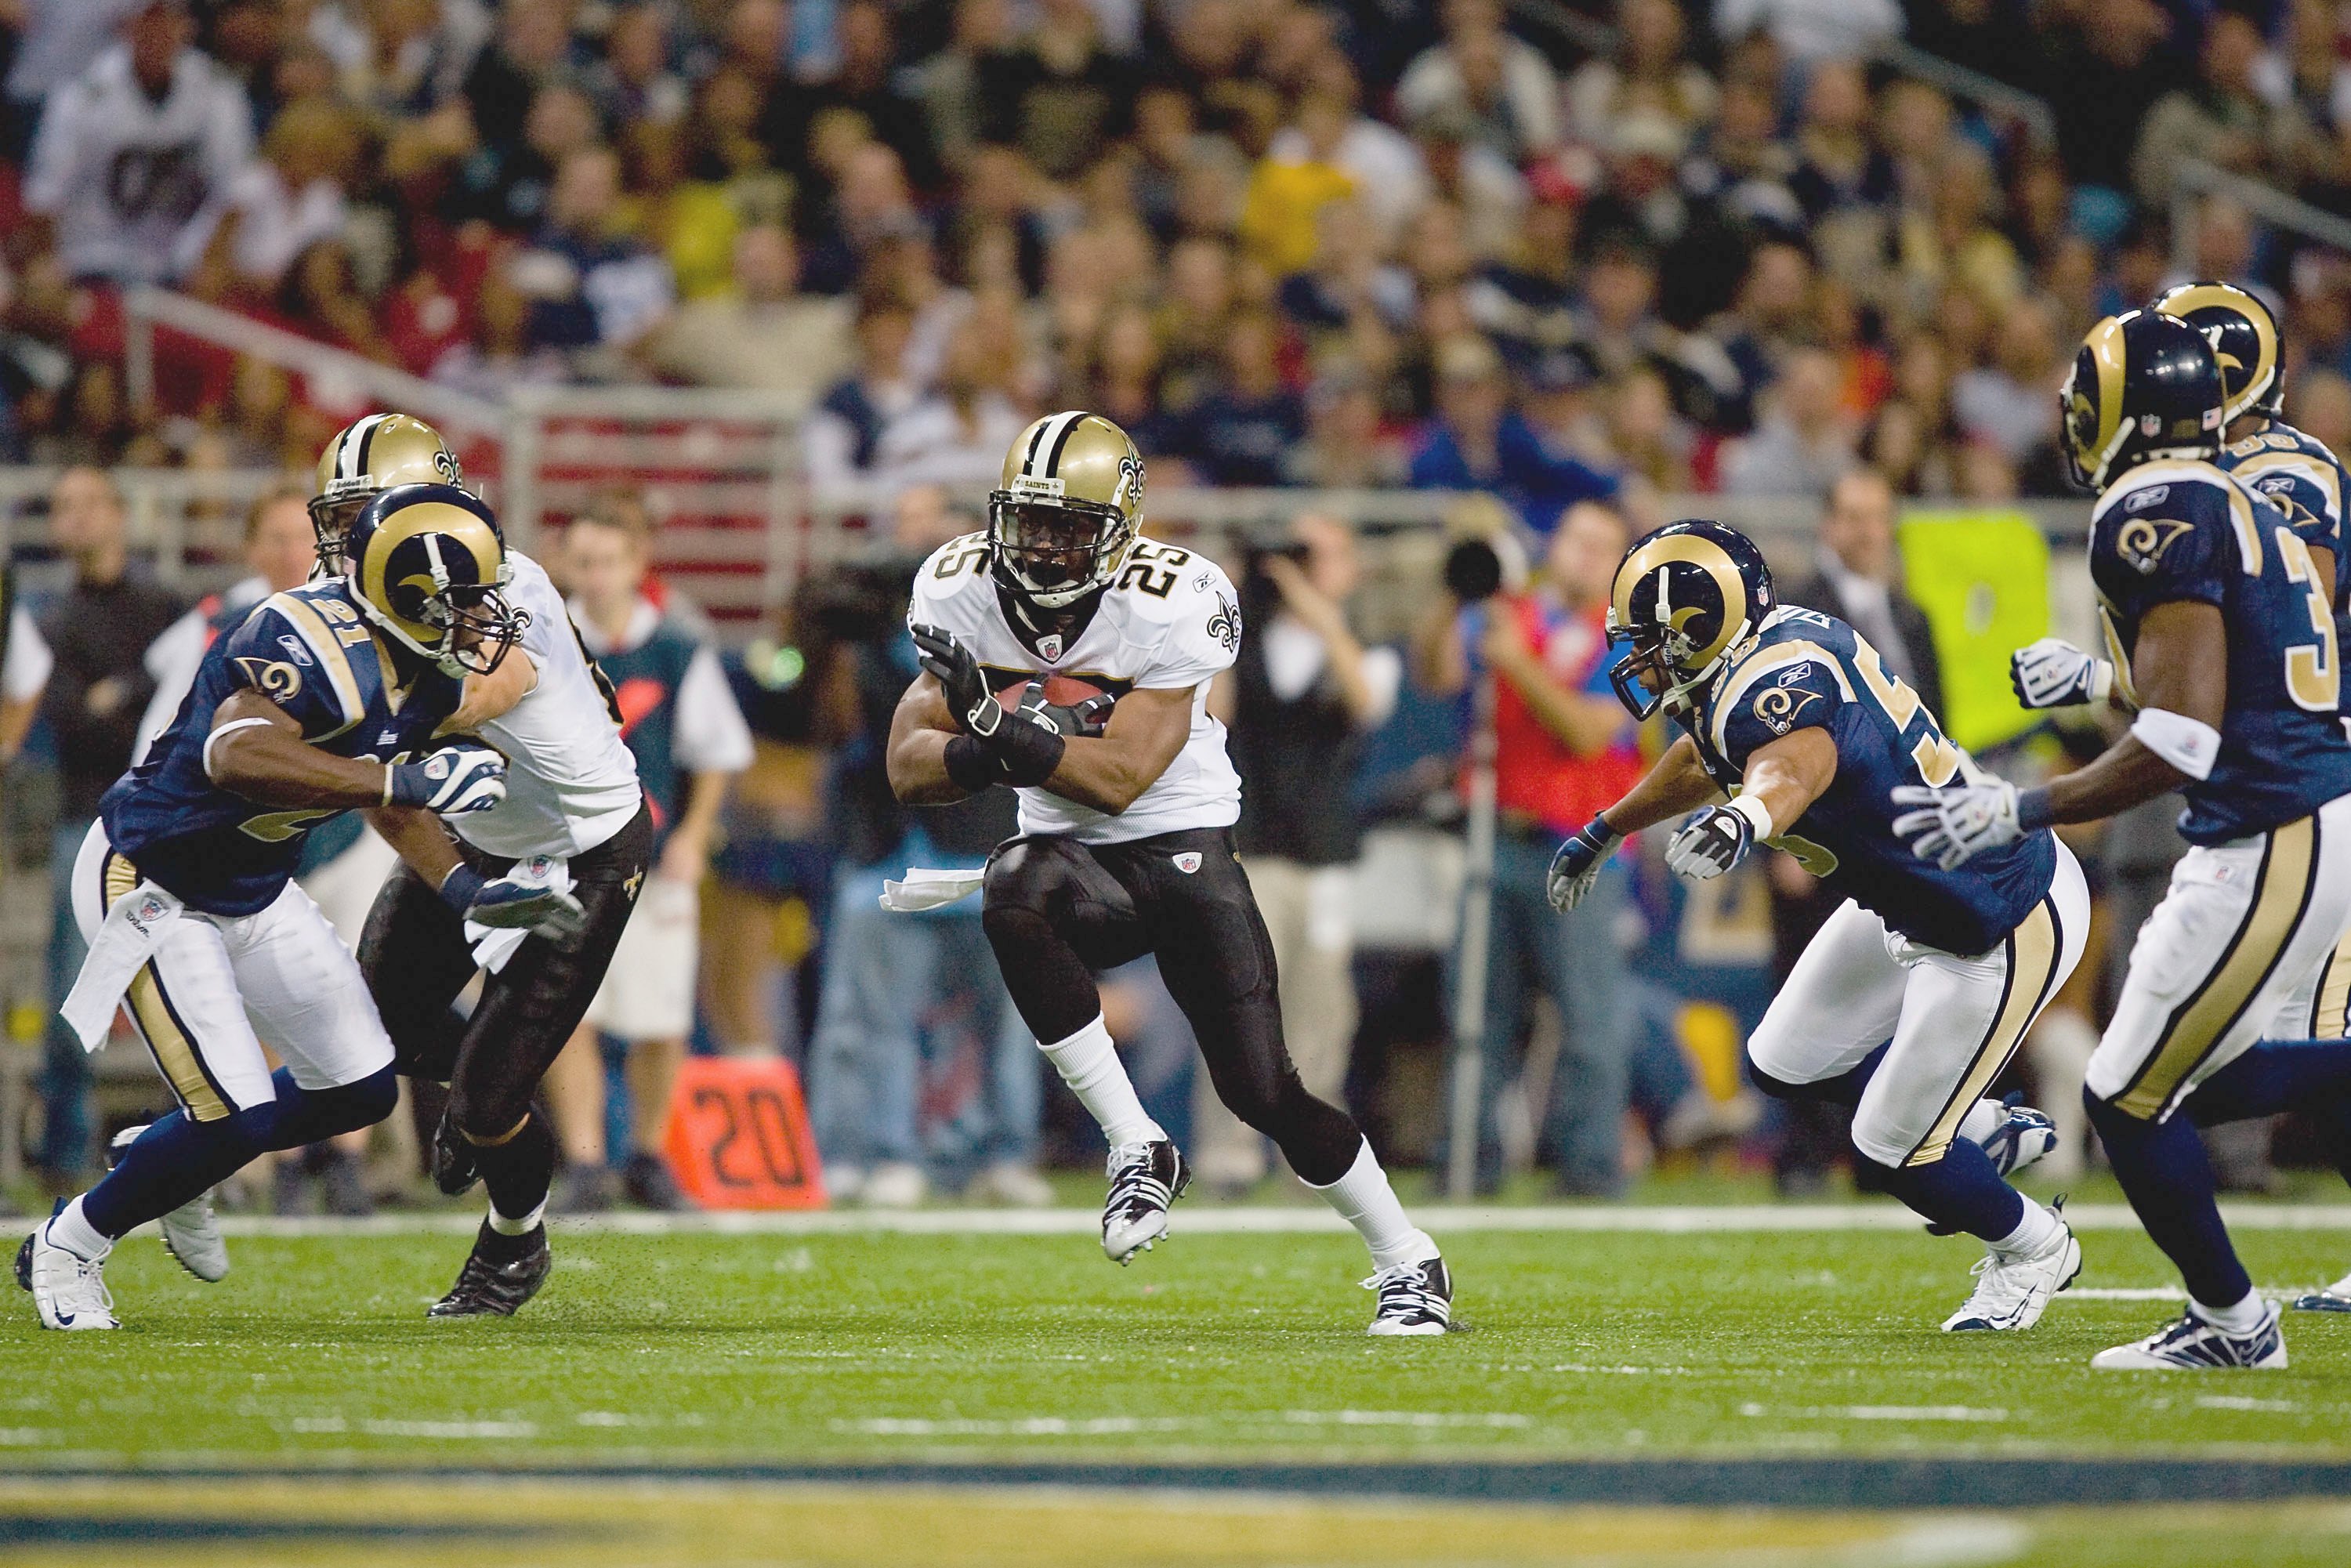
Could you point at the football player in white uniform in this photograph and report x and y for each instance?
(1070, 659)
(574, 827)
(538, 896)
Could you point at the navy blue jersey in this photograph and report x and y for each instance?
(308, 652)
(1810, 671)
(2186, 531)
(2289, 467)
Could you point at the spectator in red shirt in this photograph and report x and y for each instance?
(1564, 748)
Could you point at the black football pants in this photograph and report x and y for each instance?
(415, 957)
(1057, 911)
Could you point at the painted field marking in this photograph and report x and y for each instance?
(1881, 1412)
(1438, 1219)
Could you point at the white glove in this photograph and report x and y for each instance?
(1711, 842)
(2052, 672)
(464, 776)
(1953, 826)
(504, 904)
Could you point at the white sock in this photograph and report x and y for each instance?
(1365, 1200)
(71, 1231)
(2037, 1229)
(2242, 1319)
(1983, 1118)
(1088, 1062)
(523, 1227)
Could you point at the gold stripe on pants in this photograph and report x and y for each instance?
(2198, 1024)
(158, 1022)
(2032, 952)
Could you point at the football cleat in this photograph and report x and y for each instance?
(2191, 1344)
(501, 1274)
(191, 1234)
(2336, 1298)
(2023, 1137)
(69, 1290)
(2011, 1291)
(1415, 1299)
(1145, 1179)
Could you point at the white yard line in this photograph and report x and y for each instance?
(1438, 1218)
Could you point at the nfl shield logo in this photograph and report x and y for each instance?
(1189, 861)
(1050, 649)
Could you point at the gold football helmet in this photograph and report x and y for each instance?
(366, 457)
(428, 565)
(1070, 503)
(2243, 336)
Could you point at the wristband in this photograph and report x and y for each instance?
(970, 767)
(1598, 833)
(2190, 745)
(1028, 752)
(462, 888)
(2034, 809)
(1757, 814)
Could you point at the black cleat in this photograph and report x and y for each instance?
(1415, 1299)
(1145, 1179)
(503, 1273)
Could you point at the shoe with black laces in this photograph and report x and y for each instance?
(1145, 1179)
(647, 1182)
(1415, 1299)
(503, 1273)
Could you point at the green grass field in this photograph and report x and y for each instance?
(700, 1350)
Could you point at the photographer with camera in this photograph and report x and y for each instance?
(1563, 748)
(1299, 697)
(890, 977)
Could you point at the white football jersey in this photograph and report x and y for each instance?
(137, 186)
(1171, 621)
(571, 782)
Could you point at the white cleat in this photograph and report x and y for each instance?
(2012, 1291)
(2191, 1344)
(68, 1289)
(2021, 1138)
(191, 1233)
(2336, 1298)
(1415, 1299)
(1145, 1179)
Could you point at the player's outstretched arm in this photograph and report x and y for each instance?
(1677, 783)
(2181, 669)
(255, 749)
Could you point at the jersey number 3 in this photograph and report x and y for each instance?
(2314, 674)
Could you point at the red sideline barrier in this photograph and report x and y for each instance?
(738, 1136)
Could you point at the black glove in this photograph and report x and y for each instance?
(1030, 748)
(961, 678)
(1089, 718)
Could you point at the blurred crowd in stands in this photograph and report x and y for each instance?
(1358, 244)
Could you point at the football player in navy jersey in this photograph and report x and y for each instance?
(2220, 634)
(326, 699)
(1915, 994)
